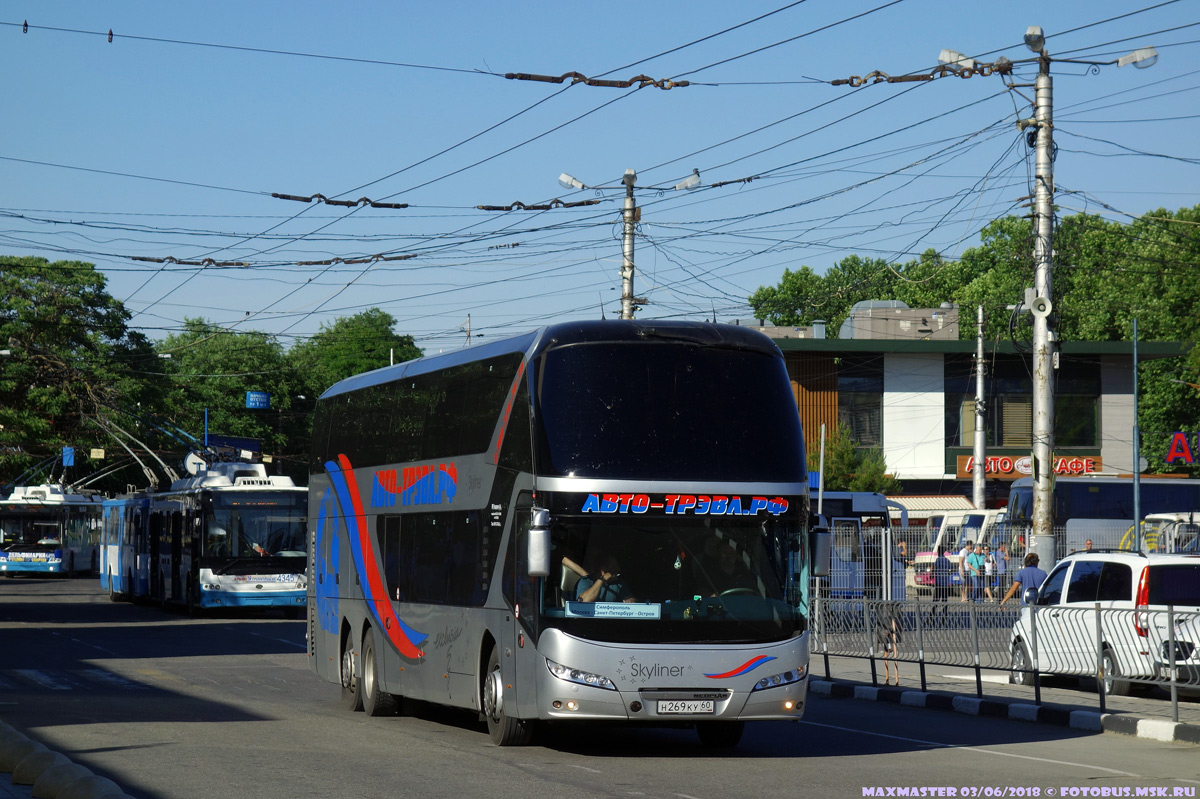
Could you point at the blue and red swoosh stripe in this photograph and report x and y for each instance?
(405, 638)
(749, 665)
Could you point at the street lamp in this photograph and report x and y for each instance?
(1045, 357)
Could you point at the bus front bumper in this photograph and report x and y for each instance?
(252, 599)
(41, 566)
(662, 705)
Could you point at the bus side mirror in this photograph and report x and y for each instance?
(821, 541)
(538, 554)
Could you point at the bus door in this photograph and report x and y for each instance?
(173, 587)
(110, 543)
(136, 552)
(846, 576)
(518, 632)
(154, 564)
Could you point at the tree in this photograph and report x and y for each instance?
(1106, 274)
(351, 345)
(212, 369)
(849, 467)
(71, 359)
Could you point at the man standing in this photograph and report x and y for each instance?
(1001, 555)
(975, 568)
(963, 572)
(1029, 577)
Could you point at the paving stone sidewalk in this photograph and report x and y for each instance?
(1063, 702)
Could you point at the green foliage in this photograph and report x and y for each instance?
(211, 368)
(351, 345)
(1106, 274)
(849, 467)
(71, 357)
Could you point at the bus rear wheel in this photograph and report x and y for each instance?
(505, 730)
(351, 685)
(375, 701)
(720, 734)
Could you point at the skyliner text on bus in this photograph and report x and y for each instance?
(229, 535)
(592, 521)
(49, 529)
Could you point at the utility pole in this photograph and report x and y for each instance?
(627, 299)
(629, 302)
(1044, 356)
(1137, 451)
(980, 442)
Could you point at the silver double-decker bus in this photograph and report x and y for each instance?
(595, 521)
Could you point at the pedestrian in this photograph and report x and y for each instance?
(975, 569)
(1001, 555)
(1087, 545)
(888, 637)
(963, 573)
(1029, 577)
(941, 576)
(989, 573)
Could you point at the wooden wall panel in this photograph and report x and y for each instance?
(814, 381)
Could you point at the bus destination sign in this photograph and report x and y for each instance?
(696, 504)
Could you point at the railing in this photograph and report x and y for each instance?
(1119, 648)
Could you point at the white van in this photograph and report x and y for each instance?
(1128, 636)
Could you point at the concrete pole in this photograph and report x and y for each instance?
(627, 299)
(980, 442)
(1043, 335)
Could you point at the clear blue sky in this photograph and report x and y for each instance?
(168, 142)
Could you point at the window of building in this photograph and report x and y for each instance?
(1008, 418)
(860, 398)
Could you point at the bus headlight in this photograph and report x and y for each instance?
(579, 676)
(783, 678)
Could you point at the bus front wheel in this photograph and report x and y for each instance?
(351, 685)
(375, 701)
(505, 730)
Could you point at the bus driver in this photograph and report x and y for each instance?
(605, 585)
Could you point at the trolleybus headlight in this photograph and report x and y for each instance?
(783, 678)
(579, 676)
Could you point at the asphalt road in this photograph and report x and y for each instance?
(175, 707)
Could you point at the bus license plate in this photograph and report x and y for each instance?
(666, 707)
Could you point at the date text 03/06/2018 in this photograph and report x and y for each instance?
(971, 791)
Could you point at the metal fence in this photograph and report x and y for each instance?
(1117, 648)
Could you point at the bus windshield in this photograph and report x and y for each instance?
(667, 579)
(261, 523)
(26, 530)
(647, 410)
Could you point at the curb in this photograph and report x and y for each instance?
(52, 775)
(1092, 721)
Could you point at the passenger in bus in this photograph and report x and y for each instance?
(605, 585)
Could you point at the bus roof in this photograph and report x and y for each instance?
(47, 494)
(530, 343)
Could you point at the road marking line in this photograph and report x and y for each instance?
(973, 749)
